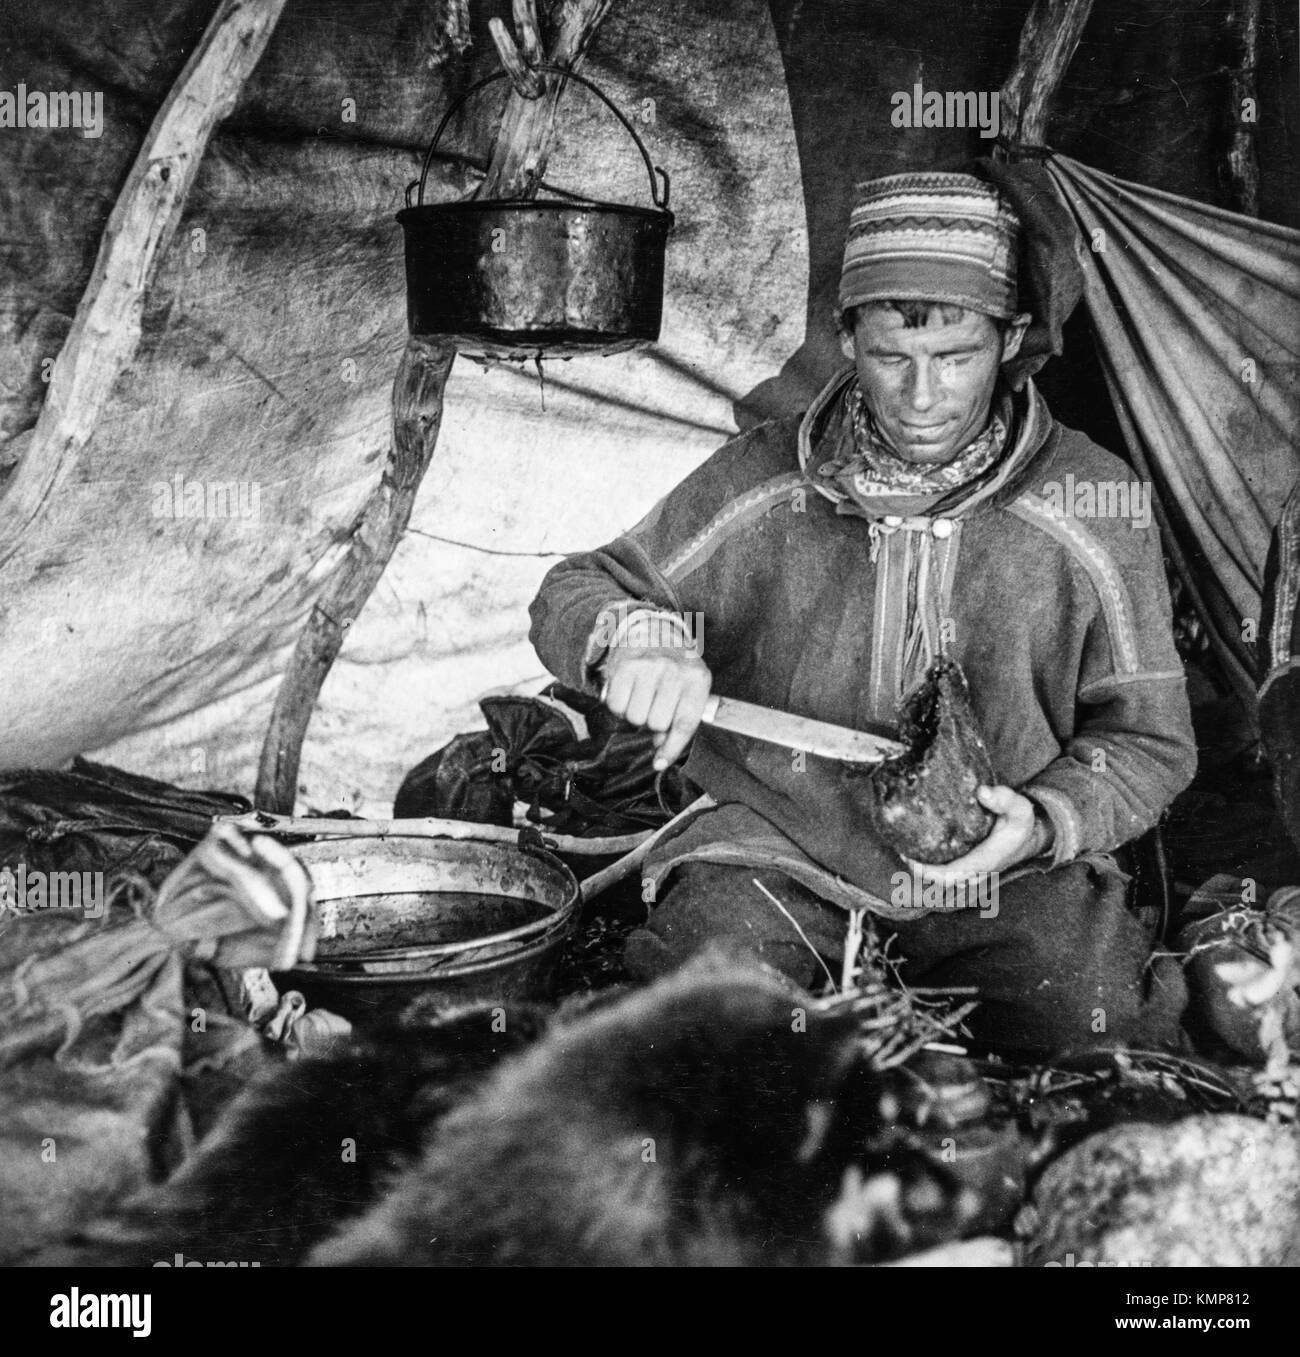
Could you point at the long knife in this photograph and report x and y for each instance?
(798, 732)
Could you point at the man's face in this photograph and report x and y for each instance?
(930, 386)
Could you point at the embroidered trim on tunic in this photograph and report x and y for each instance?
(1096, 560)
(726, 521)
(1118, 680)
(1064, 821)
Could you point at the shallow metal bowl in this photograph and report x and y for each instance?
(434, 921)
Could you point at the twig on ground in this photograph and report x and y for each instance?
(795, 925)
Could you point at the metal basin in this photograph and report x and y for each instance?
(433, 923)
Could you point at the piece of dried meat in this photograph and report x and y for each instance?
(922, 802)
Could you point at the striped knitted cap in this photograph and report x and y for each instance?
(931, 237)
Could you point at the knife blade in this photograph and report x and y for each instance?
(798, 732)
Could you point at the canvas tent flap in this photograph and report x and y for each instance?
(1196, 313)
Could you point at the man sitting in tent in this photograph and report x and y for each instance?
(918, 508)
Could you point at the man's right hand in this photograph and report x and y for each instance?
(661, 688)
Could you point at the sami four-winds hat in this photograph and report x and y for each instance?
(931, 236)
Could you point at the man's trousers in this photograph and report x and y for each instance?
(1064, 963)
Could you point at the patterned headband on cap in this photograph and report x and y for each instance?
(931, 237)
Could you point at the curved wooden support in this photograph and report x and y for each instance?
(106, 330)
(417, 414)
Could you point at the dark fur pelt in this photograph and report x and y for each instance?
(690, 1124)
(714, 1118)
(274, 1178)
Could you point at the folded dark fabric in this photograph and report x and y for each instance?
(95, 818)
(534, 751)
(457, 782)
(1049, 275)
(110, 1039)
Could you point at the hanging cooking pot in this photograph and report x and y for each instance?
(536, 277)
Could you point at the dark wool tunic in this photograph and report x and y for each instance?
(1061, 622)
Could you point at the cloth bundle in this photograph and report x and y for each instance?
(578, 769)
(104, 1020)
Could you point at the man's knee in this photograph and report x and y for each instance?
(708, 905)
(1063, 964)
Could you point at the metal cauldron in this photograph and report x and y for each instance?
(536, 277)
(432, 922)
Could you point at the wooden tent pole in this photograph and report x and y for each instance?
(518, 162)
(1048, 41)
(417, 413)
(1242, 165)
(105, 332)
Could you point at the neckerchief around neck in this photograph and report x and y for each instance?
(875, 459)
(865, 469)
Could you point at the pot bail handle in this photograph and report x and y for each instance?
(651, 169)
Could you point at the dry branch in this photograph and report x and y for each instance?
(426, 827)
(106, 330)
(417, 415)
(530, 34)
(527, 82)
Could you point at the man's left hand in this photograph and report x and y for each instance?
(1017, 835)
